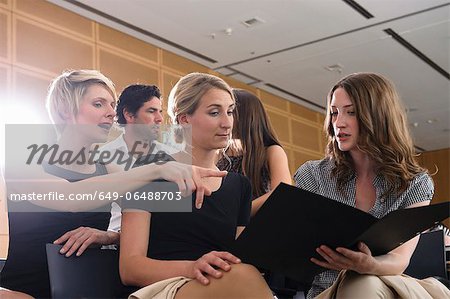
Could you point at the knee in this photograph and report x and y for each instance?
(243, 275)
(244, 271)
(355, 285)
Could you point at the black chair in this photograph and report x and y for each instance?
(429, 258)
(94, 274)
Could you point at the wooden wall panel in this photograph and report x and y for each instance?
(5, 3)
(321, 118)
(124, 71)
(306, 135)
(169, 80)
(47, 50)
(439, 160)
(281, 125)
(33, 96)
(109, 36)
(62, 18)
(273, 101)
(303, 112)
(4, 34)
(4, 86)
(290, 156)
(181, 64)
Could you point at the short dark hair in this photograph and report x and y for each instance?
(133, 97)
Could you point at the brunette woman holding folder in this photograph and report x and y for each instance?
(370, 164)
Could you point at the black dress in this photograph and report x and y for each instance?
(189, 235)
(25, 269)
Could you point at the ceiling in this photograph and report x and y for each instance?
(299, 48)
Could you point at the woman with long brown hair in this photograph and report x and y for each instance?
(370, 164)
(255, 150)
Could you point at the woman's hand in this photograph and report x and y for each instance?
(360, 261)
(83, 237)
(211, 264)
(189, 179)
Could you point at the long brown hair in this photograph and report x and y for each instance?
(252, 127)
(383, 132)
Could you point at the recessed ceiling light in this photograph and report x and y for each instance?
(411, 109)
(253, 22)
(336, 68)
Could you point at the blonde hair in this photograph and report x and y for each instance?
(383, 132)
(66, 91)
(185, 96)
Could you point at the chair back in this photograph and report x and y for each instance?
(429, 258)
(94, 274)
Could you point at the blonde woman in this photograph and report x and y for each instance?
(82, 105)
(185, 255)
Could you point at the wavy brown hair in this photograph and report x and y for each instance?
(383, 132)
(252, 127)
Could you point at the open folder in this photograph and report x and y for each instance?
(293, 222)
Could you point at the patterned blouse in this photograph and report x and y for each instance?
(315, 176)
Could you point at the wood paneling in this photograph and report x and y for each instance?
(438, 160)
(4, 86)
(33, 96)
(124, 71)
(273, 101)
(5, 3)
(169, 80)
(290, 156)
(47, 50)
(181, 64)
(56, 15)
(109, 36)
(280, 124)
(4, 34)
(306, 135)
(303, 112)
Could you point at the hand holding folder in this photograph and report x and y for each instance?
(292, 223)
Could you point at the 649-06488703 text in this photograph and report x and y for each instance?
(109, 196)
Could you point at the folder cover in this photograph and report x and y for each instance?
(293, 222)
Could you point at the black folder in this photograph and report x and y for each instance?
(293, 222)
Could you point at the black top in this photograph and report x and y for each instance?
(26, 266)
(189, 235)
